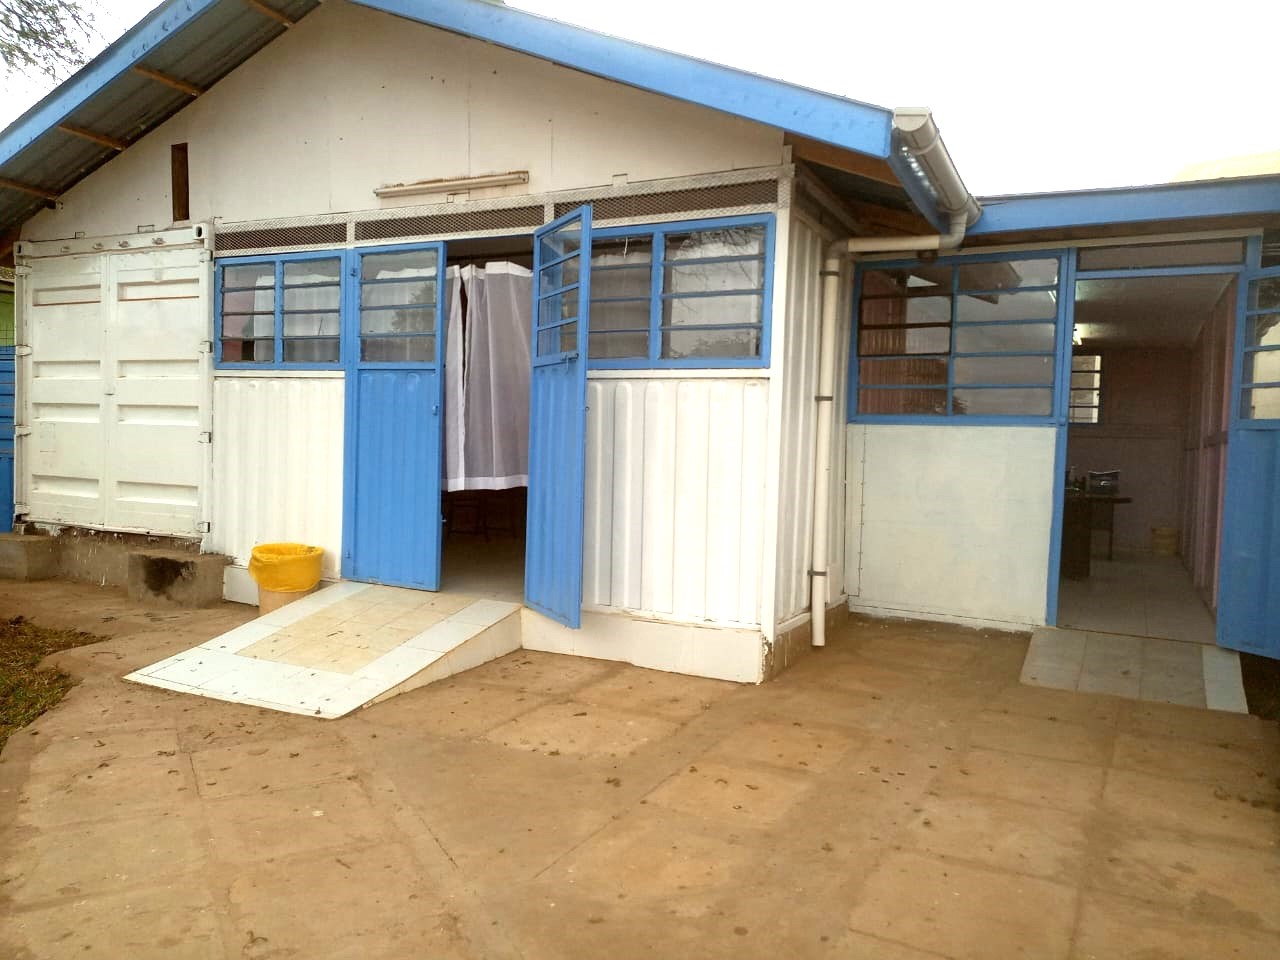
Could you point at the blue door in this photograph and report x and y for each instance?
(394, 344)
(1249, 575)
(558, 417)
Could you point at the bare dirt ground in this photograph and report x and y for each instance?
(897, 795)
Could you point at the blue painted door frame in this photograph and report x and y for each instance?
(1249, 571)
(394, 441)
(558, 417)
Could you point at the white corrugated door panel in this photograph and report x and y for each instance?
(62, 460)
(155, 378)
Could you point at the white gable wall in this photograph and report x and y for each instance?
(351, 99)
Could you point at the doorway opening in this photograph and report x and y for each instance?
(1147, 441)
(488, 317)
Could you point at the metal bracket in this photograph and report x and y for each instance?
(828, 273)
(206, 436)
(823, 397)
(204, 526)
(817, 573)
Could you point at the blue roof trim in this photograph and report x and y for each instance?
(1168, 201)
(820, 116)
(129, 50)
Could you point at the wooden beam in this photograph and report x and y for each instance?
(190, 89)
(100, 138)
(7, 184)
(271, 12)
(802, 148)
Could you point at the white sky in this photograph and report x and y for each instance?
(1029, 95)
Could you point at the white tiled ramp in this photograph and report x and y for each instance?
(1137, 668)
(342, 648)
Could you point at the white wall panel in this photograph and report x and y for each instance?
(799, 369)
(675, 497)
(352, 99)
(953, 521)
(277, 465)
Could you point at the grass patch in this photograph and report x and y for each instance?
(25, 690)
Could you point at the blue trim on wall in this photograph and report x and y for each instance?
(1178, 201)
(1062, 418)
(129, 50)
(821, 116)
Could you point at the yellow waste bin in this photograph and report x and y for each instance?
(284, 572)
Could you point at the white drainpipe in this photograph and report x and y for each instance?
(919, 137)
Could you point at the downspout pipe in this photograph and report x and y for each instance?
(917, 135)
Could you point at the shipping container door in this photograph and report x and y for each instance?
(394, 342)
(156, 387)
(62, 456)
(1249, 577)
(558, 417)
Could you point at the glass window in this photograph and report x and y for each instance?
(679, 295)
(1085, 401)
(981, 336)
(1199, 253)
(398, 306)
(281, 310)
(1260, 395)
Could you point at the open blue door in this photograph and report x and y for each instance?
(558, 417)
(394, 342)
(1249, 576)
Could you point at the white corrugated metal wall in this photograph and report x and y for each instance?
(675, 504)
(277, 464)
(799, 370)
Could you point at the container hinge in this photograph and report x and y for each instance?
(205, 347)
(817, 573)
(22, 350)
(22, 431)
(204, 526)
(206, 436)
(21, 271)
(823, 397)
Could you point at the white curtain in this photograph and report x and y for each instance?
(493, 445)
(455, 398)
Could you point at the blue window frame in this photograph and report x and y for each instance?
(689, 294)
(972, 337)
(1260, 372)
(281, 311)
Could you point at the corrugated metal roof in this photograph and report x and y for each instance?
(196, 42)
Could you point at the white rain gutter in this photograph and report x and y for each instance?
(921, 148)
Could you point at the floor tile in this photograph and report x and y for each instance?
(1118, 928)
(1050, 783)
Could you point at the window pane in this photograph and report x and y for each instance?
(1204, 253)
(561, 274)
(1261, 404)
(1009, 274)
(903, 340)
(261, 300)
(1264, 294)
(924, 402)
(712, 310)
(1004, 370)
(248, 325)
(921, 279)
(311, 324)
(398, 349)
(681, 344)
(398, 294)
(1084, 415)
(249, 275)
(1264, 330)
(1032, 402)
(557, 307)
(1024, 305)
(1004, 339)
(723, 242)
(714, 277)
(1086, 379)
(622, 281)
(1263, 367)
(312, 298)
(312, 271)
(1086, 361)
(248, 351)
(1084, 398)
(558, 340)
(561, 243)
(407, 320)
(925, 370)
(392, 266)
(311, 351)
(909, 310)
(616, 346)
(620, 315)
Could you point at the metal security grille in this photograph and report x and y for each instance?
(697, 199)
(469, 221)
(268, 237)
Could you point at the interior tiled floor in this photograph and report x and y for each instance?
(1137, 668)
(331, 652)
(1140, 597)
